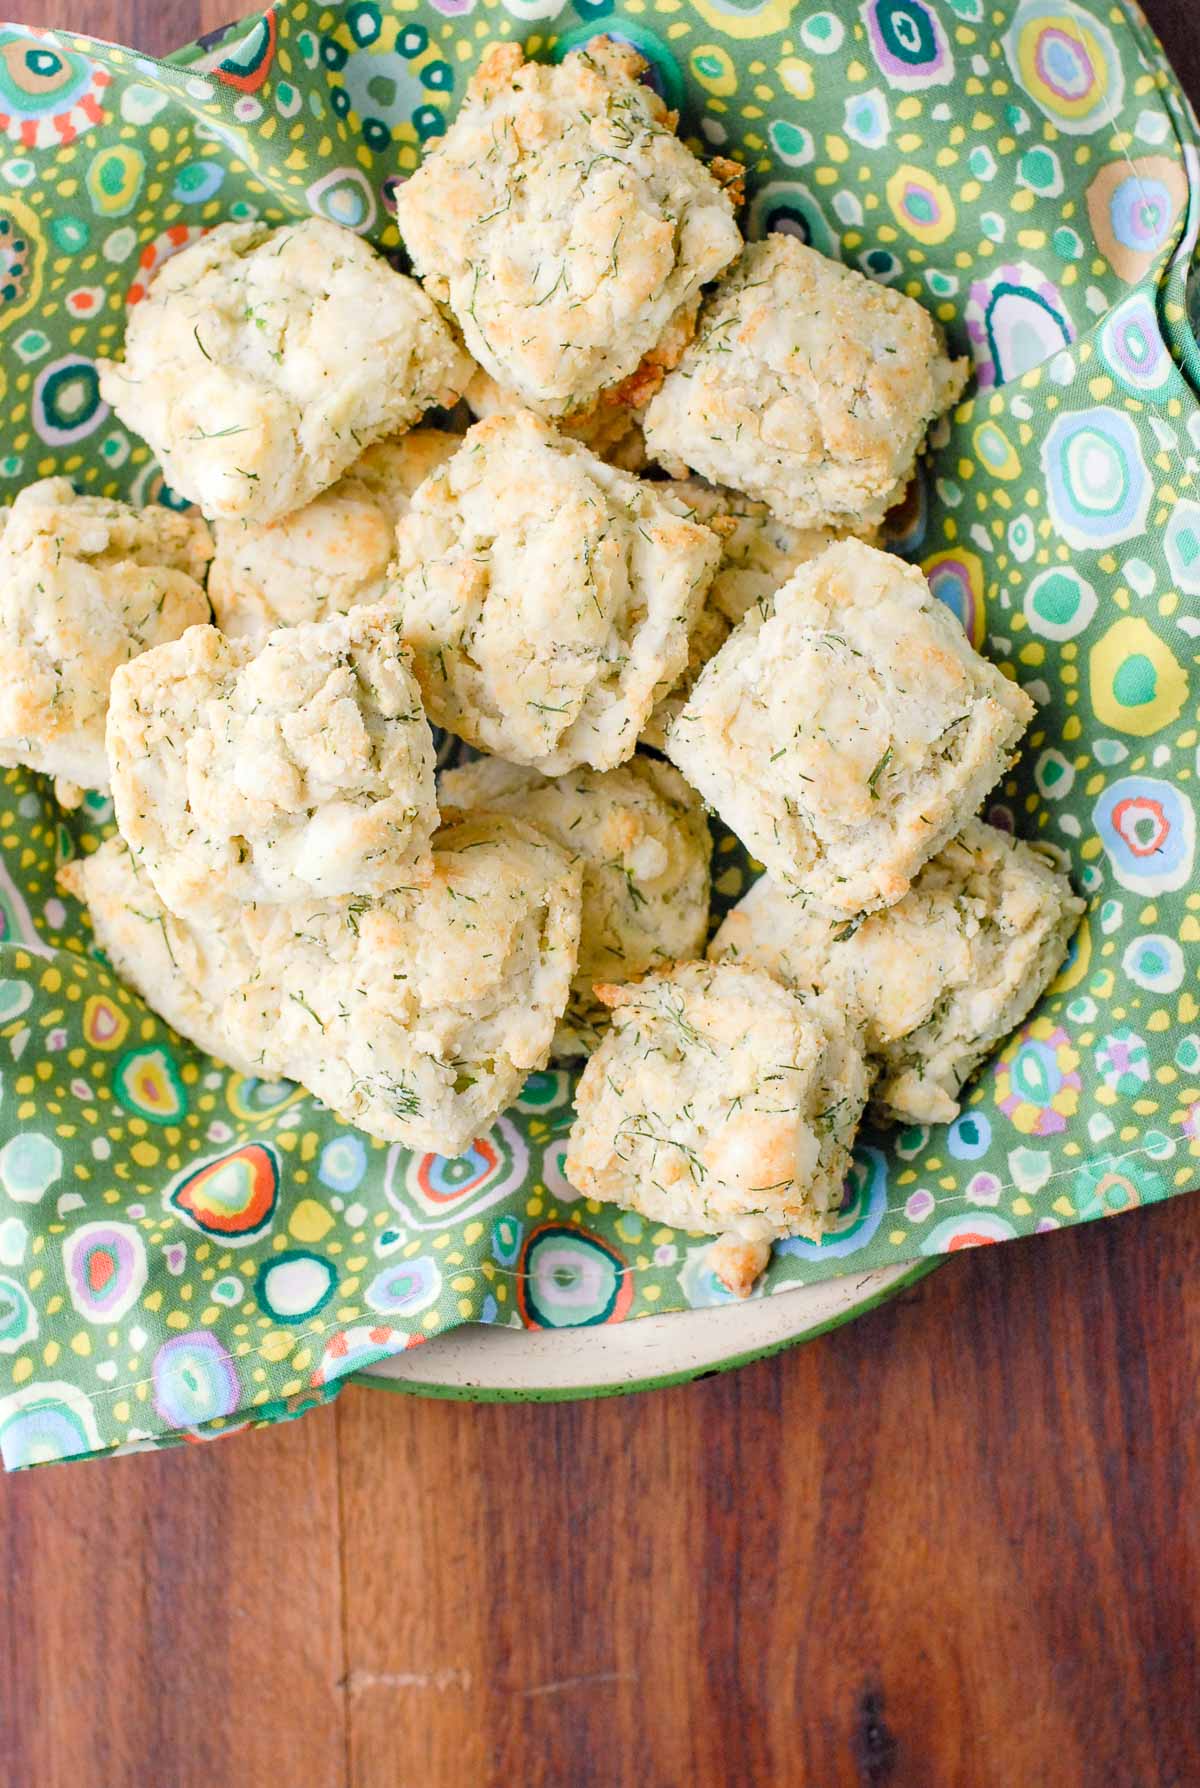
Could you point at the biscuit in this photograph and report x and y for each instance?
(261, 362)
(567, 227)
(307, 770)
(644, 843)
(419, 1015)
(848, 735)
(704, 642)
(808, 386)
(719, 1102)
(758, 553)
(184, 974)
(416, 1016)
(737, 1263)
(85, 584)
(937, 980)
(331, 555)
(613, 431)
(547, 596)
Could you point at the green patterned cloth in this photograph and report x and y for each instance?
(184, 1251)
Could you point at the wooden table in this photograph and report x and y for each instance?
(951, 1546)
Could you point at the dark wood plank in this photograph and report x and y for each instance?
(1176, 23)
(951, 1544)
(175, 1619)
(154, 26)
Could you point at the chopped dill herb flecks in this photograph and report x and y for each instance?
(301, 1001)
(159, 920)
(826, 1121)
(673, 1010)
(546, 296)
(404, 1099)
(355, 909)
(216, 434)
(877, 772)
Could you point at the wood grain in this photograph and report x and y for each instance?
(155, 26)
(173, 1620)
(951, 1546)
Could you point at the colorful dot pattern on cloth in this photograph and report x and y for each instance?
(184, 1250)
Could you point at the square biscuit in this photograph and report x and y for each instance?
(418, 1016)
(643, 840)
(261, 362)
(936, 981)
(808, 386)
(305, 770)
(719, 1102)
(758, 553)
(849, 734)
(184, 973)
(329, 556)
(547, 596)
(567, 227)
(85, 585)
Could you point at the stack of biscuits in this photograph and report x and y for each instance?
(643, 583)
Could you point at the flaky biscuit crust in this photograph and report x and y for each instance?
(307, 770)
(262, 361)
(418, 1016)
(808, 386)
(548, 597)
(567, 227)
(937, 980)
(612, 430)
(738, 1263)
(85, 585)
(185, 974)
(848, 735)
(642, 838)
(332, 554)
(758, 553)
(719, 1102)
(704, 642)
